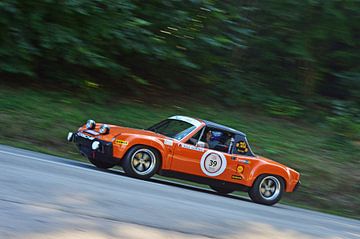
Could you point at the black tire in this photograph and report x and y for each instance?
(267, 189)
(222, 189)
(141, 162)
(101, 164)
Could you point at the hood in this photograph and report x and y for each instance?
(117, 130)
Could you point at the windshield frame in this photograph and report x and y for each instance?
(191, 121)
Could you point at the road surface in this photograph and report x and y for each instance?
(43, 196)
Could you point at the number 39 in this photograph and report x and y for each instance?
(213, 163)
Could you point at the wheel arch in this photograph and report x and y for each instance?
(269, 169)
(148, 146)
(271, 174)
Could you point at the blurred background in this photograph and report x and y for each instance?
(287, 73)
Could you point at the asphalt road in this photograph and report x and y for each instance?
(42, 196)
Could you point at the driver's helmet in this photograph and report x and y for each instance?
(216, 135)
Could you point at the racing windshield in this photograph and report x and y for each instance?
(173, 128)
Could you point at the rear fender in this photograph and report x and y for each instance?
(273, 170)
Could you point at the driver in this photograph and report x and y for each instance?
(210, 141)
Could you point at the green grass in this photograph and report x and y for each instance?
(329, 167)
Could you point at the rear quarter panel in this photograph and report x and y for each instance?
(260, 167)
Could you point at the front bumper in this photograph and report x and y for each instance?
(84, 143)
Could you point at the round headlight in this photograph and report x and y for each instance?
(104, 129)
(90, 124)
(95, 145)
(70, 136)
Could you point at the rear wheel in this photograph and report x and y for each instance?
(141, 162)
(101, 164)
(267, 189)
(222, 189)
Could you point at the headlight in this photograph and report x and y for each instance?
(104, 129)
(95, 145)
(70, 136)
(90, 124)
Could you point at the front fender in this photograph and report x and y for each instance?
(124, 142)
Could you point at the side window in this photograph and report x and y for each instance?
(241, 147)
(217, 139)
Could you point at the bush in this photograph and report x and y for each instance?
(344, 125)
(282, 107)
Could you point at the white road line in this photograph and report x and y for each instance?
(353, 234)
(90, 170)
(53, 162)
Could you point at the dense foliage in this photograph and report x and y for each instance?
(284, 55)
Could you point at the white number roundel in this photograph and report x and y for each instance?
(213, 163)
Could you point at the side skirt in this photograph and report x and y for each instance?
(203, 180)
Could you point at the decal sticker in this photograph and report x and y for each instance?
(240, 169)
(213, 163)
(123, 142)
(241, 147)
(192, 147)
(85, 136)
(168, 142)
(237, 177)
(245, 161)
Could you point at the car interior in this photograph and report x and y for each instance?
(220, 139)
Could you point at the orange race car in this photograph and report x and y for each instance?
(191, 149)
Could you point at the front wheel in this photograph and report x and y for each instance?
(141, 162)
(267, 189)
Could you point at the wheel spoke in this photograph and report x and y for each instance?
(140, 167)
(272, 189)
(147, 164)
(138, 156)
(145, 157)
(270, 183)
(136, 162)
(267, 193)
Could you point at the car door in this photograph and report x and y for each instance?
(199, 161)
